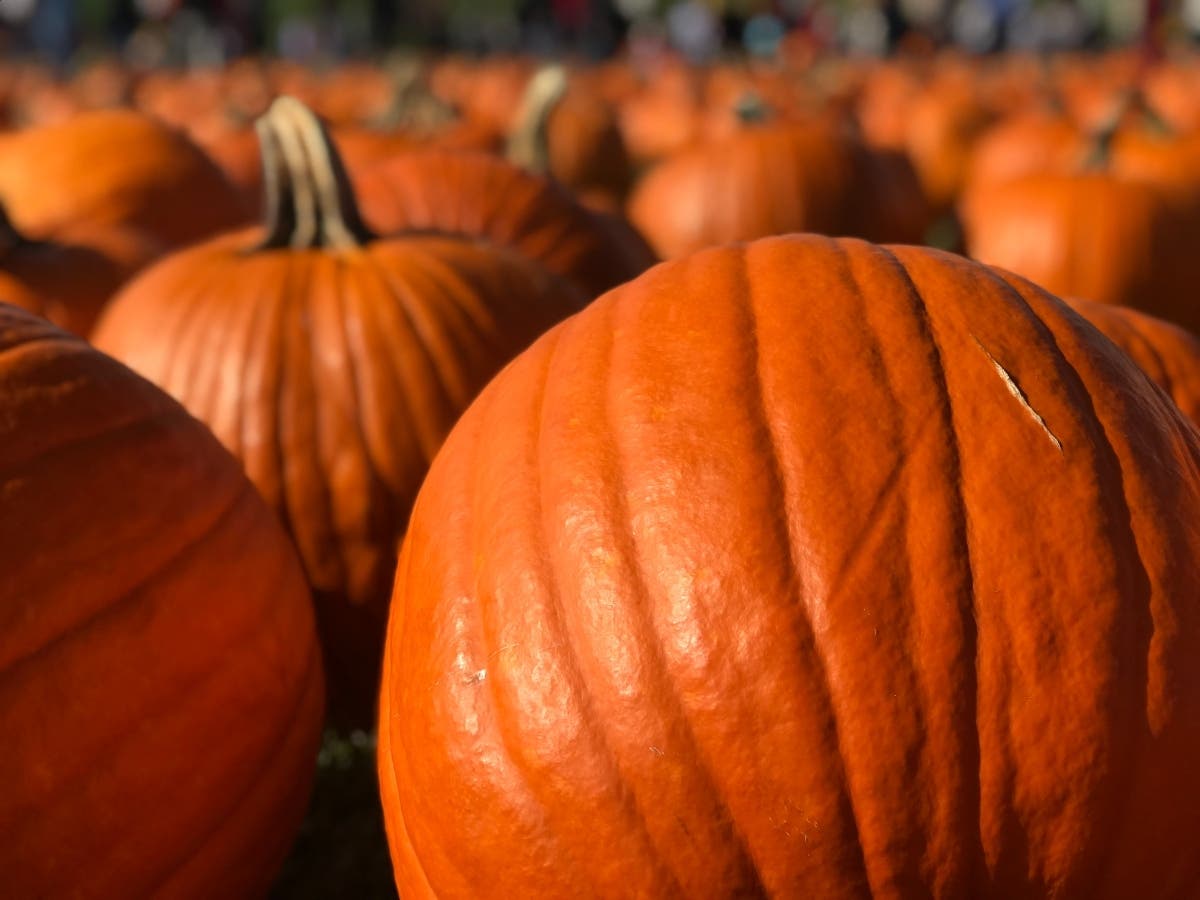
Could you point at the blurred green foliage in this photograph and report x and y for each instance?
(341, 851)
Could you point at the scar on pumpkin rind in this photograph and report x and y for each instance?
(1011, 386)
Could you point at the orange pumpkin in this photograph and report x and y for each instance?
(482, 198)
(115, 168)
(332, 364)
(69, 278)
(803, 568)
(771, 179)
(1169, 355)
(1092, 235)
(160, 683)
(566, 132)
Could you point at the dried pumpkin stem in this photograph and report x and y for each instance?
(751, 109)
(1132, 101)
(529, 140)
(310, 201)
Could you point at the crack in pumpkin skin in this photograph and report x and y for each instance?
(988, 658)
(1019, 395)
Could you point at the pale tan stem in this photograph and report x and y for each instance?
(528, 141)
(310, 201)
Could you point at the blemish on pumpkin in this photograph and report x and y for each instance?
(1016, 391)
(476, 677)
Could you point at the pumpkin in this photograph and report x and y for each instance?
(568, 133)
(482, 198)
(332, 363)
(1093, 235)
(115, 168)
(803, 568)
(160, 683)
(69, 278)
(771, 179)
(1167, 353)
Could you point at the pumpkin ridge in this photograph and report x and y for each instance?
(112, 605)
(380, 512)
(76, 443)
(1119, 795)
(677, 720)
(319, 468)
(475, 324)
(235, 430)
(433, 337)
(291, 465)
(806, 634)
(556, 607)
(973, 790)
(401, 845)
(388, 324)
(1164, 375)
(401, 292)
(502, 738)
(191, 850)
(204, 381)
(179, 327)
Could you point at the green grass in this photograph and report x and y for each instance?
(341, 850)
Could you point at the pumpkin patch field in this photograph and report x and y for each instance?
(762, 468)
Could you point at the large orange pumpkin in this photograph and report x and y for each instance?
(803, 568)
(116, 167)
(332, 364)
(160, 683)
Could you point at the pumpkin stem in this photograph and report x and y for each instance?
(751, 109)
(528, 142)
(1130, 102)
(310, 202)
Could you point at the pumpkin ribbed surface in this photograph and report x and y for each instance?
(332, 364)
(160, 684)
(479, 197)
(1167, 353)
(806, 568)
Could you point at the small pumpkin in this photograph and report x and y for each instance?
(570, 134)
(482, 198)
(70, 277)
(116, 168)
(1168, 354)
(773, 178)
(332, 362)
(160, 679)
(1093, 235)
(803, 568)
